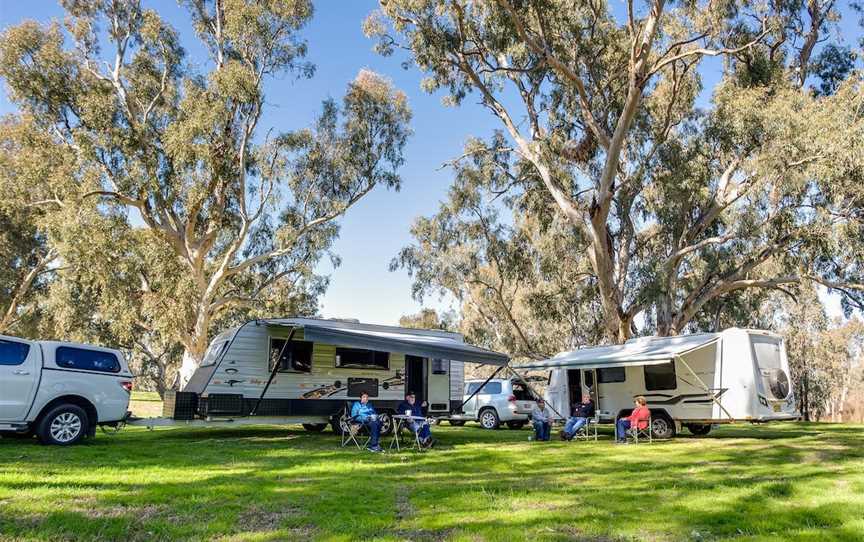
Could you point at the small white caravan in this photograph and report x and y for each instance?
(303, 370)
(689, 380)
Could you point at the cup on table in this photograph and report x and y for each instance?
(407, 412)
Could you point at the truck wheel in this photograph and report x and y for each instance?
(489, 419)
(662, 426)
(516, 425)
(456, 423)
(314, 427)
(63, 425)
(699, 429)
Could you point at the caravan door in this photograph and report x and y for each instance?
(438, 385)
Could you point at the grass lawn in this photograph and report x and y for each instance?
(777, 482)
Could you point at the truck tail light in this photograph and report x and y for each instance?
(127, 385)
(512, 398)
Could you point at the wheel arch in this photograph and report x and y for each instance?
(77, 400)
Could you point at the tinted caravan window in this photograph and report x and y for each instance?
(357, 358)
(13, 353)
(296, 357)
(87, 360)
(610, 375)
(660, 377)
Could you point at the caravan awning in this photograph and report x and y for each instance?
(642, 351)
(423, 343)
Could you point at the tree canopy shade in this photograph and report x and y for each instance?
(625, 196)
(233, 221)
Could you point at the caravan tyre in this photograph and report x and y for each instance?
(314, 427)
(63, 425)
(699, 429)
(489, 419)
(662, 426)
(386, 423)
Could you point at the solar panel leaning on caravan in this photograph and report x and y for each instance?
(694, 381)
(304, 370)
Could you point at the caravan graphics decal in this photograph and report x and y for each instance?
(393, 383)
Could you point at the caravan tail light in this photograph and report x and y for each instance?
(512, 398)
(126, 385)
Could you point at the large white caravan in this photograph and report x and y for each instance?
(691, 380)
(303, 370)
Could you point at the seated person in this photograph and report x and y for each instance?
(581, 414)
(541, 419)
(420, 427)
(638, 418)
(363, 413)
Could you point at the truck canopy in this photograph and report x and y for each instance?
(635, 352)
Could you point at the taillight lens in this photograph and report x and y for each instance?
(512, 398)
(127, 385)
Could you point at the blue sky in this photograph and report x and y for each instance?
(376, 228)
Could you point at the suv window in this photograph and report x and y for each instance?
(13, 353)
(87, 360)
(492, 388)
(521, 393)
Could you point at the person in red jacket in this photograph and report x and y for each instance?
(638, 418)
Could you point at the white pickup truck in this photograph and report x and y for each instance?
(61, 391)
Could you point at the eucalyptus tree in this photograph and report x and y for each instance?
(673, 206)
(231, 214)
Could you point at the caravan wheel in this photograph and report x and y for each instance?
(386, 423)
(699, 429)
(662, 426)
(314, 427)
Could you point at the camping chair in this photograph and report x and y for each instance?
(635, 433)
(589, 430)
(351, 429)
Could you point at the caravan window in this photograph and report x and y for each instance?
(660, 377)
(296, 357)
(610, 375)
(356, 358)
(213, 353)
(439, 366)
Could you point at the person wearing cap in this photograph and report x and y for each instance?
(541, 418)
(410, 407)
(363, 413)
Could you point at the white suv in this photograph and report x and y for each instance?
(500, 400)
(61, 391)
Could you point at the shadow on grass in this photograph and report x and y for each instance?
(269, 483)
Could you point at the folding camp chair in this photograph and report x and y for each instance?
(589, 430)
(635, 433)
(351, 429)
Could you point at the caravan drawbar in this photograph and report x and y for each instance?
(303, 370)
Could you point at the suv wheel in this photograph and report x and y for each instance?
(63, 425)
(662, 426)
(489, 419)
(516, 425)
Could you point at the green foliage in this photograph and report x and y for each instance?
(234, 223)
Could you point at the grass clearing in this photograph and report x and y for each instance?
(788, 481)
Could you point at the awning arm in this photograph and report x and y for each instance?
(705, 387)
(527, 385)
(459, 408)
(273, 372)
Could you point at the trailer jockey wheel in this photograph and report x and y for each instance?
(662, 426)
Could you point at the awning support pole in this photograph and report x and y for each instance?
(459, 408)
(273, 372)
(705, 387)
(527, 385)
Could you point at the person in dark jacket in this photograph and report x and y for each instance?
(410, 406)
(581, 414)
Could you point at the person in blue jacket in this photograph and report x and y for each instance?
(363, 413)
(420, 427)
